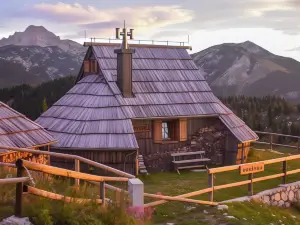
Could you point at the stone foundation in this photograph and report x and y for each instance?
(282, 196)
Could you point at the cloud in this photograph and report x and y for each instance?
(98, 20)
(283, 15)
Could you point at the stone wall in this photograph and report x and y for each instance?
(282, 196)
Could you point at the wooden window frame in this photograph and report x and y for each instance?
(90, 66)
(177, 131)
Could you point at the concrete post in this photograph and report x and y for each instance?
(136, 193)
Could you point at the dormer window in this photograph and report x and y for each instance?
(90, 66)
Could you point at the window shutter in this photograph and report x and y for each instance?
(86, 66)
(157, 129)
(94, 66)
(183, 129)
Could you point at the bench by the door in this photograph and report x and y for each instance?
(180, 162)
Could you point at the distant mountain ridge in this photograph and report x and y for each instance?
(37, 55)
(248, 69)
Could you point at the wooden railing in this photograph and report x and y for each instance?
(22, 182)
(77, 159)
(271, 142)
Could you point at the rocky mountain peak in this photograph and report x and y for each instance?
(254, 48)
(41, 37)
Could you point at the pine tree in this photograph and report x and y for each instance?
(45, 106)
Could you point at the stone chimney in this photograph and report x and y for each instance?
(124, 64)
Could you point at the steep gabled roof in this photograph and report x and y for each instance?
(16, 130)
(89, 117)
(167, 83)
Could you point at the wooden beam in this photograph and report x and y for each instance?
(180, 199)
(14, 180)
(67, 156)
(53, 196)
(187, 195)
(69, 173)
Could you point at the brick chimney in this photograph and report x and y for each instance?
(124, 64)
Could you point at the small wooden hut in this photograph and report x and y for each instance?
(16, 130)
(150, 100)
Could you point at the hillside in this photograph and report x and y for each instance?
(248, 69)
(37, 55)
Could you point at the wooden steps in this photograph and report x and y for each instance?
(142, 167)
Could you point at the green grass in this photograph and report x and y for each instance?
(173, 184)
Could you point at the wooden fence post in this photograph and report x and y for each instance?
(19, 189)
(284, 165)
(211, 185)
(243, 154)
(136, 193)
(271, 141)
(77, 169)
(102, 192)
(298, 146)
(250, 185)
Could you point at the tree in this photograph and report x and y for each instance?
(45, 106)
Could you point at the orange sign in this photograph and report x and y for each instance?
(252, 168)
(12, 157)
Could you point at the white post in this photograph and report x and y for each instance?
(136, 193)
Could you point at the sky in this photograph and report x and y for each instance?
(272, 24)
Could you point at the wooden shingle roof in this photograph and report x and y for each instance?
(166, 83)
(16, 130)
(89, 117)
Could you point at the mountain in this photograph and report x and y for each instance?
(248, 69)
(37, 55)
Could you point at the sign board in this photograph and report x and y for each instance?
(252, 168)
(12, 157)
(141, 128)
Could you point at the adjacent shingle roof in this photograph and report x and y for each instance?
(89, 117)
(18, 131)
(166, 83)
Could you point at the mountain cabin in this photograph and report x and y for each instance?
(16, 130)
(144, 102)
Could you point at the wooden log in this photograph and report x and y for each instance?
(267, 177)
(102, 192)
(240, 183)
(77, 169)
(14, 180)
(211, 185)
(53, 196)
(293, 172)
(250, 185)
(19, 189)
(266, 162)
(180, 199)
(191, 194)
(67, 156)
(7, 164)
(69, 173)
(284, 170)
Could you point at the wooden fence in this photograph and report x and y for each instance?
(22, 186)
(250, 181)
(271, 142)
